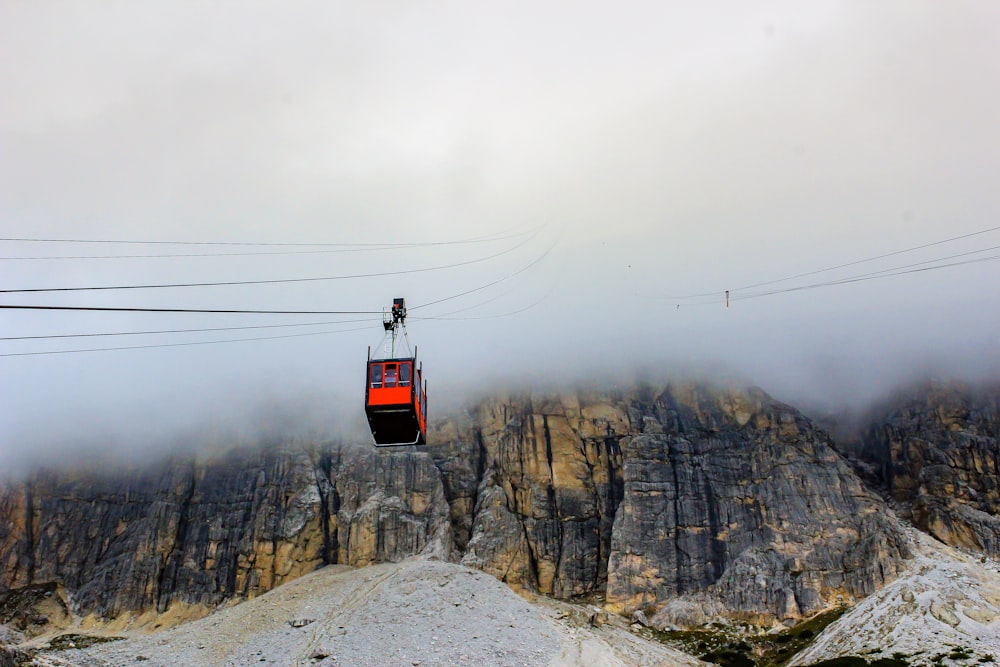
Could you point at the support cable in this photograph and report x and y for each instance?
(181, 331)
(476, 239)
(130, 309)
(487, 285)
(865, 278)
(272, 281)
(189, 310)
(841, 266)
(363, 248)
(186, 344)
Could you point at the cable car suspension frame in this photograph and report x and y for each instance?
(395, 388)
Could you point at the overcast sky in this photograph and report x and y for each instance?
(654, 150)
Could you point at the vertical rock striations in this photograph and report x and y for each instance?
(736, 502)
(673, 495)
(937, 449)
(199, 532)
(547, 498)
(694, 500)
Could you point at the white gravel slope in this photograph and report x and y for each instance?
(406, 614)
(947, 600)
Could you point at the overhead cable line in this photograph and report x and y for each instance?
(255, 338)
(476, 239)
(866, 277)
(923, 263)
(191, 310)
(367, 248)
(872, 259)
(485, 317)
(185, 344)
(177, 331)
(841, 266)
(130, 309)
(272, 281)
(257, 326)
(474, 306)
(487, 285)
(735, 295)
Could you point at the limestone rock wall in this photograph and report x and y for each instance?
(737, 497)
(937, 450)
(656, 496)
(692, 500)
(204, 531)
(548, 493)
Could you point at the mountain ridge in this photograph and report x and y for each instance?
(689, 502)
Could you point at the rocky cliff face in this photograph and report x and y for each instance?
(684, 499)
(936, 449)
(199, 532)
(690, 500)
(549, 488)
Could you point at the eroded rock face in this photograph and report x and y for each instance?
(550, 488)
(721, 495)
(693, 500)
(937, 450)
(737, 496)
(203, 531)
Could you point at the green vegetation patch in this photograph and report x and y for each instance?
(847, 661)
(727, 658)
(731, 648)
(18, 657)
(71, 641)
(857, 661)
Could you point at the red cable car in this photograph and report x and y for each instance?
(395, 392)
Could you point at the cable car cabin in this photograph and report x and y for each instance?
(396, 402)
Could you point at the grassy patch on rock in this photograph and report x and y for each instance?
(26, 657)
(857, 661)
(71, 641)
(734, 648)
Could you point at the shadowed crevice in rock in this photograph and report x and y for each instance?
(936, 449)
(202, 531)
(167, 579)
(681, 557)
(663, 494)
(329, 505)
(547, 495)
(29, 533)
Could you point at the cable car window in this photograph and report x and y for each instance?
(376, 376)
(404, 375)
(390, 375)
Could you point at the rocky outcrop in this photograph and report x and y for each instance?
(945, 600)
(32, 610)
(201, 531)
(684, 501)
(683, 498)
(936, 449)
(549, 491)
(734, 498)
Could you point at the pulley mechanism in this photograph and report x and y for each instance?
(394, 322)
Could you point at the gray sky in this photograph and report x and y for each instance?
(659, 150)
